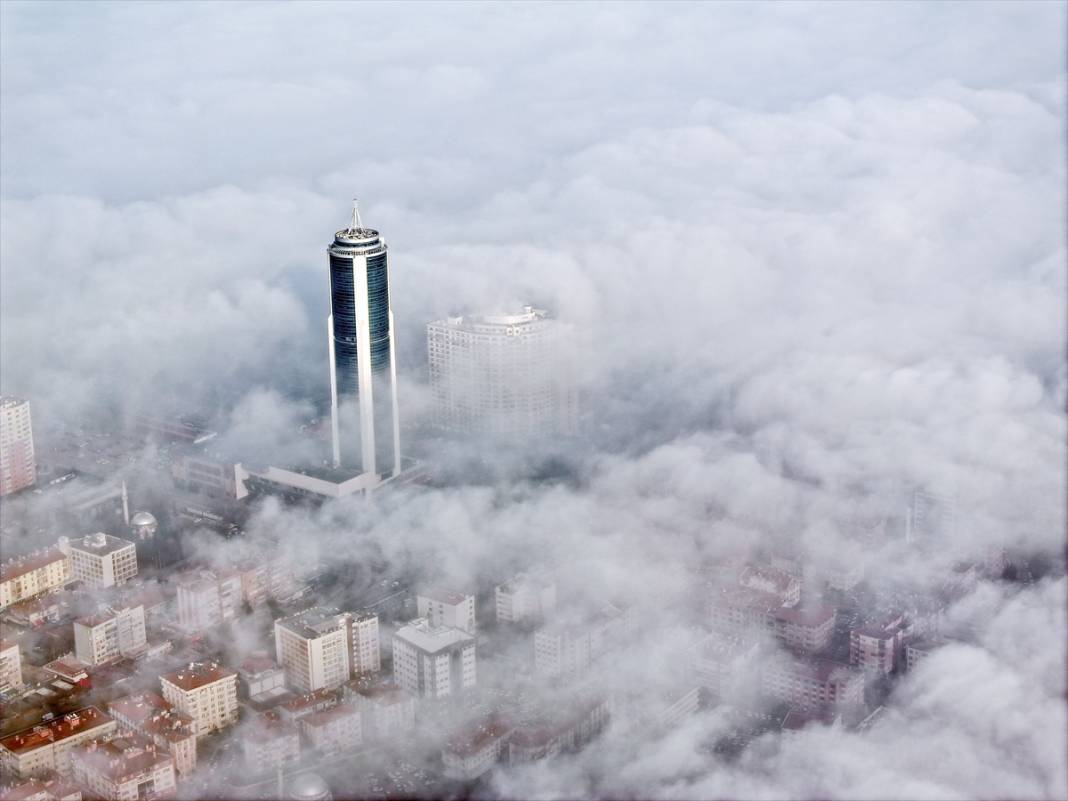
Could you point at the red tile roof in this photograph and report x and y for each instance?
(55, 730)
(26, 564)
(121, 759)
(197, 675)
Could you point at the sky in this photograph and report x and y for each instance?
(813, 254)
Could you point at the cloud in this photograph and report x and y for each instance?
(812, 257)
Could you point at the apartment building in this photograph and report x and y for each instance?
(443, 608)
(46, 747)
(261, 679)
(315, 648)
(10, 665)
(205, 692)
(129, 767)
(18, 465)
(333, 730)
(110, 635)
(813, 684)
(100, 560)
(207, 599)
(387, 710)
(45, 788)
(568, 649)
(28, 576)
(270, 743)
(525, 598)
(476, 748)
(806, 629)
(363, 633)
(879, 646)
(433, 662)
(150, 715)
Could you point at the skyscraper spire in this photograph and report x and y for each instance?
(357, 223)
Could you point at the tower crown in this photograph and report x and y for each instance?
(356, 233)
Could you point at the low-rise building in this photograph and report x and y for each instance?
(878, 646)
(261, 679)
(813, 684)
(806, 629)
(270, 742)
(777, 582)
(918, 650)
(433, 662)
(720, 664)
(475, 748)
(205, 692)
(333, 730)
(112, 634)
(150, 715)
(126, 768)
(743, 612)
(28, 576)
(307, 704)
(70, 670)
(47, 746)
(100, 560)
(567, 728)
(45, 788)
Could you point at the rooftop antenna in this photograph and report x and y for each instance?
(357, 223)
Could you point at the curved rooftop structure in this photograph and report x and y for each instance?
(308, 787)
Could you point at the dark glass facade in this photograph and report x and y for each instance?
(346, 345)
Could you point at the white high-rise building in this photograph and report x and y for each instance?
(507, 374)
(206, 599)
(433, 662)
(100, 560)
(525, 598)
(205, 692)
(567, 649)
(363, 368)
(18, 466)
(442, 608)
(114, 633)
(10, 665)
(365, 655)
(315, 648)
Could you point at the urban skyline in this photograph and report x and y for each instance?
(699, 433)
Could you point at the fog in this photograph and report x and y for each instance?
(812, 256)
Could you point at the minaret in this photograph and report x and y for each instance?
(363, 366)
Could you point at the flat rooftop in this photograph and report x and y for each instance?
(197, 675)
(99, 544)
(312, 623)
(430, 640)
(27, 564)
(55, 730)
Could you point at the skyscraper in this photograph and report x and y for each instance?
(18, 468)
(365, 427)
(505, 374)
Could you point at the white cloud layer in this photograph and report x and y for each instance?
(814, 252)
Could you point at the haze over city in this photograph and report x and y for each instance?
(454, 400)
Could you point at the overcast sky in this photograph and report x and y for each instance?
(814, 254)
